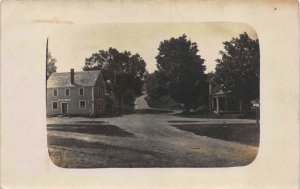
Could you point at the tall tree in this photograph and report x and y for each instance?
(238, 68)
(123, 72)
(179, 62)
(51, 68)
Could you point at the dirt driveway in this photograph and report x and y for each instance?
(153, 143)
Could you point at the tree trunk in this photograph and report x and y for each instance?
(120, 103)
(187, 109)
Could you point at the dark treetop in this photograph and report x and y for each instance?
(237, 70)
(123, 72)
(182, 70)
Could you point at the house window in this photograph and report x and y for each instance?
(54, 105)
(82, 104)
(67, 92)
(81, 92)
(54, 92)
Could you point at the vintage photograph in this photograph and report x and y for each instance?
(152, 94)
(165, 95)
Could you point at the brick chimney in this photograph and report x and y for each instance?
(72, 76)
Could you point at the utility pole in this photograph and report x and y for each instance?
(46, 59)
(46, 65)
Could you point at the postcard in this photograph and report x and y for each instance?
(150, 94)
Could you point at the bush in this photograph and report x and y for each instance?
(128, 98)
(164, 102)
(111, 105)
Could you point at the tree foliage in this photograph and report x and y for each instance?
(156, 85)
(51, 68)
(238, 68)
(123, 72)
(182, 70)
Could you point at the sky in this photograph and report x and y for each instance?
(71, 44)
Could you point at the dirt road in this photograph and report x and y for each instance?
(140, 103)
(154, 143)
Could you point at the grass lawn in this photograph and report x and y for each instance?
(152, 111)
(210, 115)
(183, 121)
(164, 102)
(93, 129)
(242, 133)
(73, 153)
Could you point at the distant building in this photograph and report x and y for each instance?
(76, 93)
(222, 102)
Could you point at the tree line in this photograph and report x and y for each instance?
(180, 72)
(123, 72)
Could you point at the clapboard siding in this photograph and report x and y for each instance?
(91, 96)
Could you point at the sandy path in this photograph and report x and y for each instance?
(140, 103)
(153, 134)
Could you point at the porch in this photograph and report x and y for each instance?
(222, 103)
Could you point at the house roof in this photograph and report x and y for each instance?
(63, 79)
(221, 93)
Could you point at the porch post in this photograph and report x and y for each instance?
(217, 104)
(210, 104)
(241, 107)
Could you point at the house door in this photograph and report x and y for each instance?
(64, 107)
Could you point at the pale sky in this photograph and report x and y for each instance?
(71, 44)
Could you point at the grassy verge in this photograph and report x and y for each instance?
(73, 153)
(164, 102)
(183, 121)
(152, 111)
(211, 115)
(108, 130)
(208, 115)
(242, 133)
